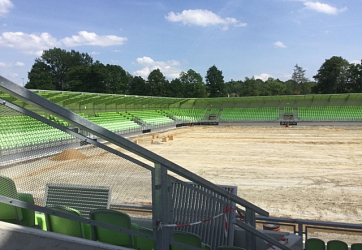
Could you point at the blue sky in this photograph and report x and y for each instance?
(243, 38)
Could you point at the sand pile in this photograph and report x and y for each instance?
(69, 154)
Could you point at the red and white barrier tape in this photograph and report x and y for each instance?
(226, 224)
(161, 225)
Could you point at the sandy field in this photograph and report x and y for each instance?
(298, 172)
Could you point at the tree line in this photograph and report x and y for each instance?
(63, 70)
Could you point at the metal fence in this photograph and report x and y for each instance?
(41, 151)
(193, 203)
(69, 161)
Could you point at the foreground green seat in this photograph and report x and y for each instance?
(356, 246)
(12, 214)
(115, 218)
(188, 239)
(143, 243)
(61, 225)
(230, 248)
(315, 244)
(337, 245)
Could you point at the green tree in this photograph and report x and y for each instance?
(176, 88)
(88, 78)
(299, 75)
(192, 84)
(252, 87)
(158, 83)
(215, 82)
(291, 87)
(276, 86)
(117, 80)
(138, 86)
(58, 62)
(40, 77)
(355, 77)
(332, 76)
(303, 85)
(233, 88)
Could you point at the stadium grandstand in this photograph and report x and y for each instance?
(64, 183)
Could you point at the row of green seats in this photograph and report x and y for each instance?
(214, 111)
(115, 123)
(18, 139)
(252, 114)
(318, 244)
(151, 117)
(288, 110)
(330, 113)
(23, 131)
(188, 115)
(57, 120)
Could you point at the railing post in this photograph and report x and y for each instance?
(250, 237)
(300, 229)
(161, 211)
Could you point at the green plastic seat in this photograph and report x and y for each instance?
(337, 245)
(356, 246)
(315, 244)
(28, 215)
(143, 243)
(9, 213)
(230, 248)
(115, 218)
(186, 238)
(61, 225)
(12, 214)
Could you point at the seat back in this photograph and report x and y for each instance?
(186, 238)
(356, 246)
(80, 197)
(143, 243)
(315, 244)
(7, 212)
(230, 248)
(336, 245)
(110, 236)
(61, 225)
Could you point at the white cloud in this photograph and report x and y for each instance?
(5, 6)
(203, 18)
(19, 64)
(94, 53)
(91, 38)
(279, 44)
(263, 76)
(323, 8)
(28, 43)
(356, 61)
(169, 69)
(36, 43)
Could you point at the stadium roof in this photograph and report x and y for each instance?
(64, 98)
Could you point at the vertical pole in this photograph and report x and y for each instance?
(250, 237)
(300, 229)
(161, 211)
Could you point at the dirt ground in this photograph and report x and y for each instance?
(298, 172)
